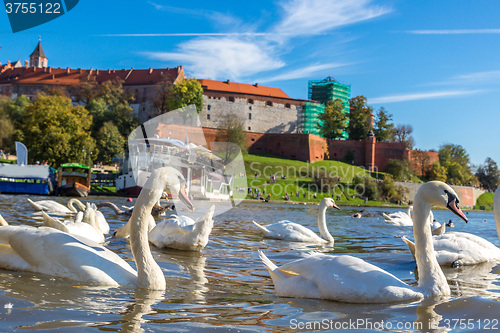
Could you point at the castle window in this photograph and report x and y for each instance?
(249, 128)
(250, 108)
(208, 107)
(249, 116)
(250, 101)
(269, 103)
(208, 117)
(287, 105)
(231, 99)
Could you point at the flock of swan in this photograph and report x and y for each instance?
(69, 249)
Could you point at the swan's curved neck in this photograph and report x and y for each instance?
(409, 210)
(149, 274)
(496, 211)
(74, 201)
(323, 230)
(431, 277)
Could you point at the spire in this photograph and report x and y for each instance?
(39, 50)
(38, 57)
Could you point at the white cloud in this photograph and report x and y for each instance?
(301, 72)
(245, 53)
(454, 32)
(486, 76)
(222, 58)
(310, 17)
(190, 34)
(421, 96)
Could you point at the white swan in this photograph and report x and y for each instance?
(349, 279)
(461, 248)
(174, 187)
(400, 218)
(55, 253)
(290, 231)
(77, 227)
(101, 223)
(55, 207)
(182, 232)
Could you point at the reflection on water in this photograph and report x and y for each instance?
(226, 287)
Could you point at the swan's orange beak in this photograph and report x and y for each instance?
(453, 206)
(336, 207)
(184, 198)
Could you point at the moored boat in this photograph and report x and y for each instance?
(74, 180)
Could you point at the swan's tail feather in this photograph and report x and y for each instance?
(2, 221)
(53, 223)
(35, 206)
(387, 217)
(209, 214)
(411, 245)
(261, 228)
(268, 263)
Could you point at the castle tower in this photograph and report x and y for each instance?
(38, 57)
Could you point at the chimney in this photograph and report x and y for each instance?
(34, 69)
(96, 72)
(79, 71)
(26, 64)
(67, 71)
(150, 71)
(109, 71)
(50, 69)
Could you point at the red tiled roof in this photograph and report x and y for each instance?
(68, 76)
(242, 88)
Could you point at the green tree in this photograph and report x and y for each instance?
(437, 172)
(488, 174)
(176, 96)
(56, 131)
(110, 142)
(359, 118)
(456, 161)
(399, 169)
(232, 130)
(6, 133)
(384, 127)
(16, 109)
(333, 122)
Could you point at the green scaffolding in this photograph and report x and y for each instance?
(308, 118)
(322, 91)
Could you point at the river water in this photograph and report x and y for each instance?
(226, 288)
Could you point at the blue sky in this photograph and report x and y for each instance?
(432, 64)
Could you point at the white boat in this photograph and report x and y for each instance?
(203, 171)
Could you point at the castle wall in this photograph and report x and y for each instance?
(266, 115)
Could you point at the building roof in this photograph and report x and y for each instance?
(38, 51)
(242, 88)
(74, 77)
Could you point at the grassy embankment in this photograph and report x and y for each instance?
(485, 200)
(300, 178)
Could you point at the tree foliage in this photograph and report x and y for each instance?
(232, 131)
(176, 96)
(488, 174)
(455, 160)
(359, 118)
(383, 127)
(437, 172)
(110, 142)
(399, 169)
(333, 122)
(56, 131)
